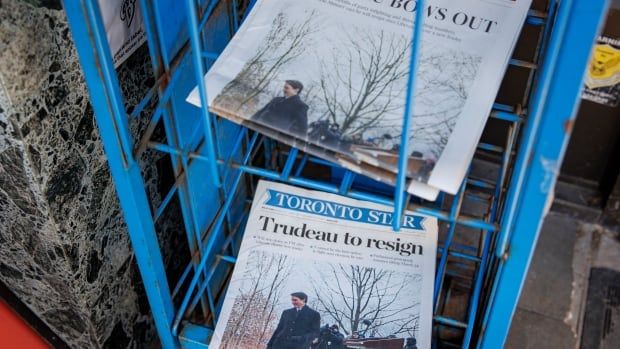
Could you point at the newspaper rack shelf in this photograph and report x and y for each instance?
(215, 164)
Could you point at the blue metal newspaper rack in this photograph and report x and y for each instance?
(215, 163)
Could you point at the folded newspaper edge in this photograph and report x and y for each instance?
(377, 173)
(308, 244)
(472, 36)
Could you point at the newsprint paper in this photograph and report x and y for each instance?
(324, 271)
(333, 73)
(123, 26)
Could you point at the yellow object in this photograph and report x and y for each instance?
(604, 67)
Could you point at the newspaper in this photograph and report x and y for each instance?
(333, 73)
(124, 27)
(354, 281)
(376, 173)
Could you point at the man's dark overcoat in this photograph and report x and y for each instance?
(287, 114)
(296, 329)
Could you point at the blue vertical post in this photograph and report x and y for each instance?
(539, 157)
(194, 39)
(403, 153)
(95, 57)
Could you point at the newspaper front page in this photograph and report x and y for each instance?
(324, 271)
(333, 73)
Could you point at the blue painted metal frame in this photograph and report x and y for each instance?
(403, 153)
(213, 158)
(89, 36)
(540, 156)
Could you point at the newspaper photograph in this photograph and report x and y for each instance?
(319, 270)
(333, 73)
(377, 173)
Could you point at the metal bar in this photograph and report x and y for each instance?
(177, 288)
(95, 57)
(486, 265)
(478, 197)
(490, 147)
(165, 202)
(162, 81)
(187, 188)
(149, 131)
(480, 183)
(183, 190)
(449, 322)
(523, 64)
(459, 255)
(464, 247)
(510, 144)
(465, 256)
(160, 34)
(403, 153)
(290, 161)
(546, 132)
(198, 66)
(240, 138)
(503, 107)
(506, 116)
(189, 267)
(205, 15)
(109, 80)
(542, 40)
(535, 21)
(210, 299)
(486, 249)
(526, 147)
(229, 259)
(142, 104)
(235, 15)
(152, 38)
(161, 65)
(209, 246)
(441, 266)
(203, 286)
(159, 110)
(212, 56)
(475, 299)
(537, 14)
(347, 181)
(196, 155)
(331, 188)
(302, 165)
(179, 162)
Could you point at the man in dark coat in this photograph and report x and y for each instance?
(298, 326)
(288, 114)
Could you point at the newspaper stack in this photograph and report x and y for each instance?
(321, 270)
(330, 77)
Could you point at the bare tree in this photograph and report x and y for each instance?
(441, 91)
(252, 318)
(362, 81)
(363, 86)
(350, 294)
(283, 44)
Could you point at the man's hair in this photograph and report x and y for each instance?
(300, 295)
(298, 86)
